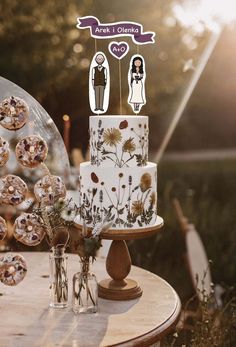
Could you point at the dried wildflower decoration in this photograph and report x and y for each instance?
(145, 182)
(137, 207)
(101, 196)
(129, 145)
(153, 198)
(112, 136)
(56, 217)
(130, 180)
(94, 177)
(123, 124)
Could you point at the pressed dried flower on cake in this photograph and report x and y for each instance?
(129, 145)
(130, 203)
(153, 198)
(145, 182)
(112, 136)
(123, 124)
(137, 207)
(94, 177)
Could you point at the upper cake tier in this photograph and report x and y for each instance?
(118, 141)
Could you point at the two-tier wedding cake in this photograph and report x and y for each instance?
(119, 182)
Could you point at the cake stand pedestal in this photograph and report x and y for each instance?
(118, 263)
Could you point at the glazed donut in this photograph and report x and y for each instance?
(3, 228)
(4, 151)
(13, 190)
(31, 151)
(29, 229)
(49, 189)
(13, 269)
(14, 113)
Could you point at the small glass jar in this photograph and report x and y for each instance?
(58, 278)
(85, 290)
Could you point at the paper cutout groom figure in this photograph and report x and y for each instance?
(99, 80)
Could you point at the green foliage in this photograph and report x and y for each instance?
(208, 324)
(207, 193)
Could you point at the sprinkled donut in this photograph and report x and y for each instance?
(49, 189)
(4, 151)
(14, 113)
(13, 269)
(31, 151)
(29, 229)
(13, 190)
(3, 228)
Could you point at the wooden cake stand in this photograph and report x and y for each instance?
(118, 263)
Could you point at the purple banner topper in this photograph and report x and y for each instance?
(117, 29)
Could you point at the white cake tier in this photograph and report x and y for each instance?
(129, 196)
(118, 141)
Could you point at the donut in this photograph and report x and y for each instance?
(13, 190)
(29, 229)
(31, 151)
(13, 269)
(3, 228)
(49, 189)
(4, 151)
(14, 113)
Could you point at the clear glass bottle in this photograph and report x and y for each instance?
(85, 290)
(58, 278)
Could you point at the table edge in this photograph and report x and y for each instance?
(156, 334)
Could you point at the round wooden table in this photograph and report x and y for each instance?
(27, 321)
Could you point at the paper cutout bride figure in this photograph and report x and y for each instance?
(136, 80)
(99, 84)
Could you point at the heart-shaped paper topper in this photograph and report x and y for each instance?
(118, 49)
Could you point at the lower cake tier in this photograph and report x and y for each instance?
(128, 196)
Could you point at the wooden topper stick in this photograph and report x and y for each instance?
(120, 86)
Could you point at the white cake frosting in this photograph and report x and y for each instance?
(118, 182)
(118, 141)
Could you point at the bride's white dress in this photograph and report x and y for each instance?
(136, 96)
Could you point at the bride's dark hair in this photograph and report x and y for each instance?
(140, 67)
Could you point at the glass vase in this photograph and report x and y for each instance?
(58, 278)
(85, 290)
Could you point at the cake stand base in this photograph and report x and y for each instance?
(128, 290)
(118, 263)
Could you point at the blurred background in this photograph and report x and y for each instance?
(190, 90)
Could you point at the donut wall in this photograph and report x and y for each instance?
(31, 120)
(30, 147)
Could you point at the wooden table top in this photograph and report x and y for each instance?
(27, 321)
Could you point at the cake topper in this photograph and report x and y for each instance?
(116, 29)
(136, 81)
(99, 84)
(99, 92)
